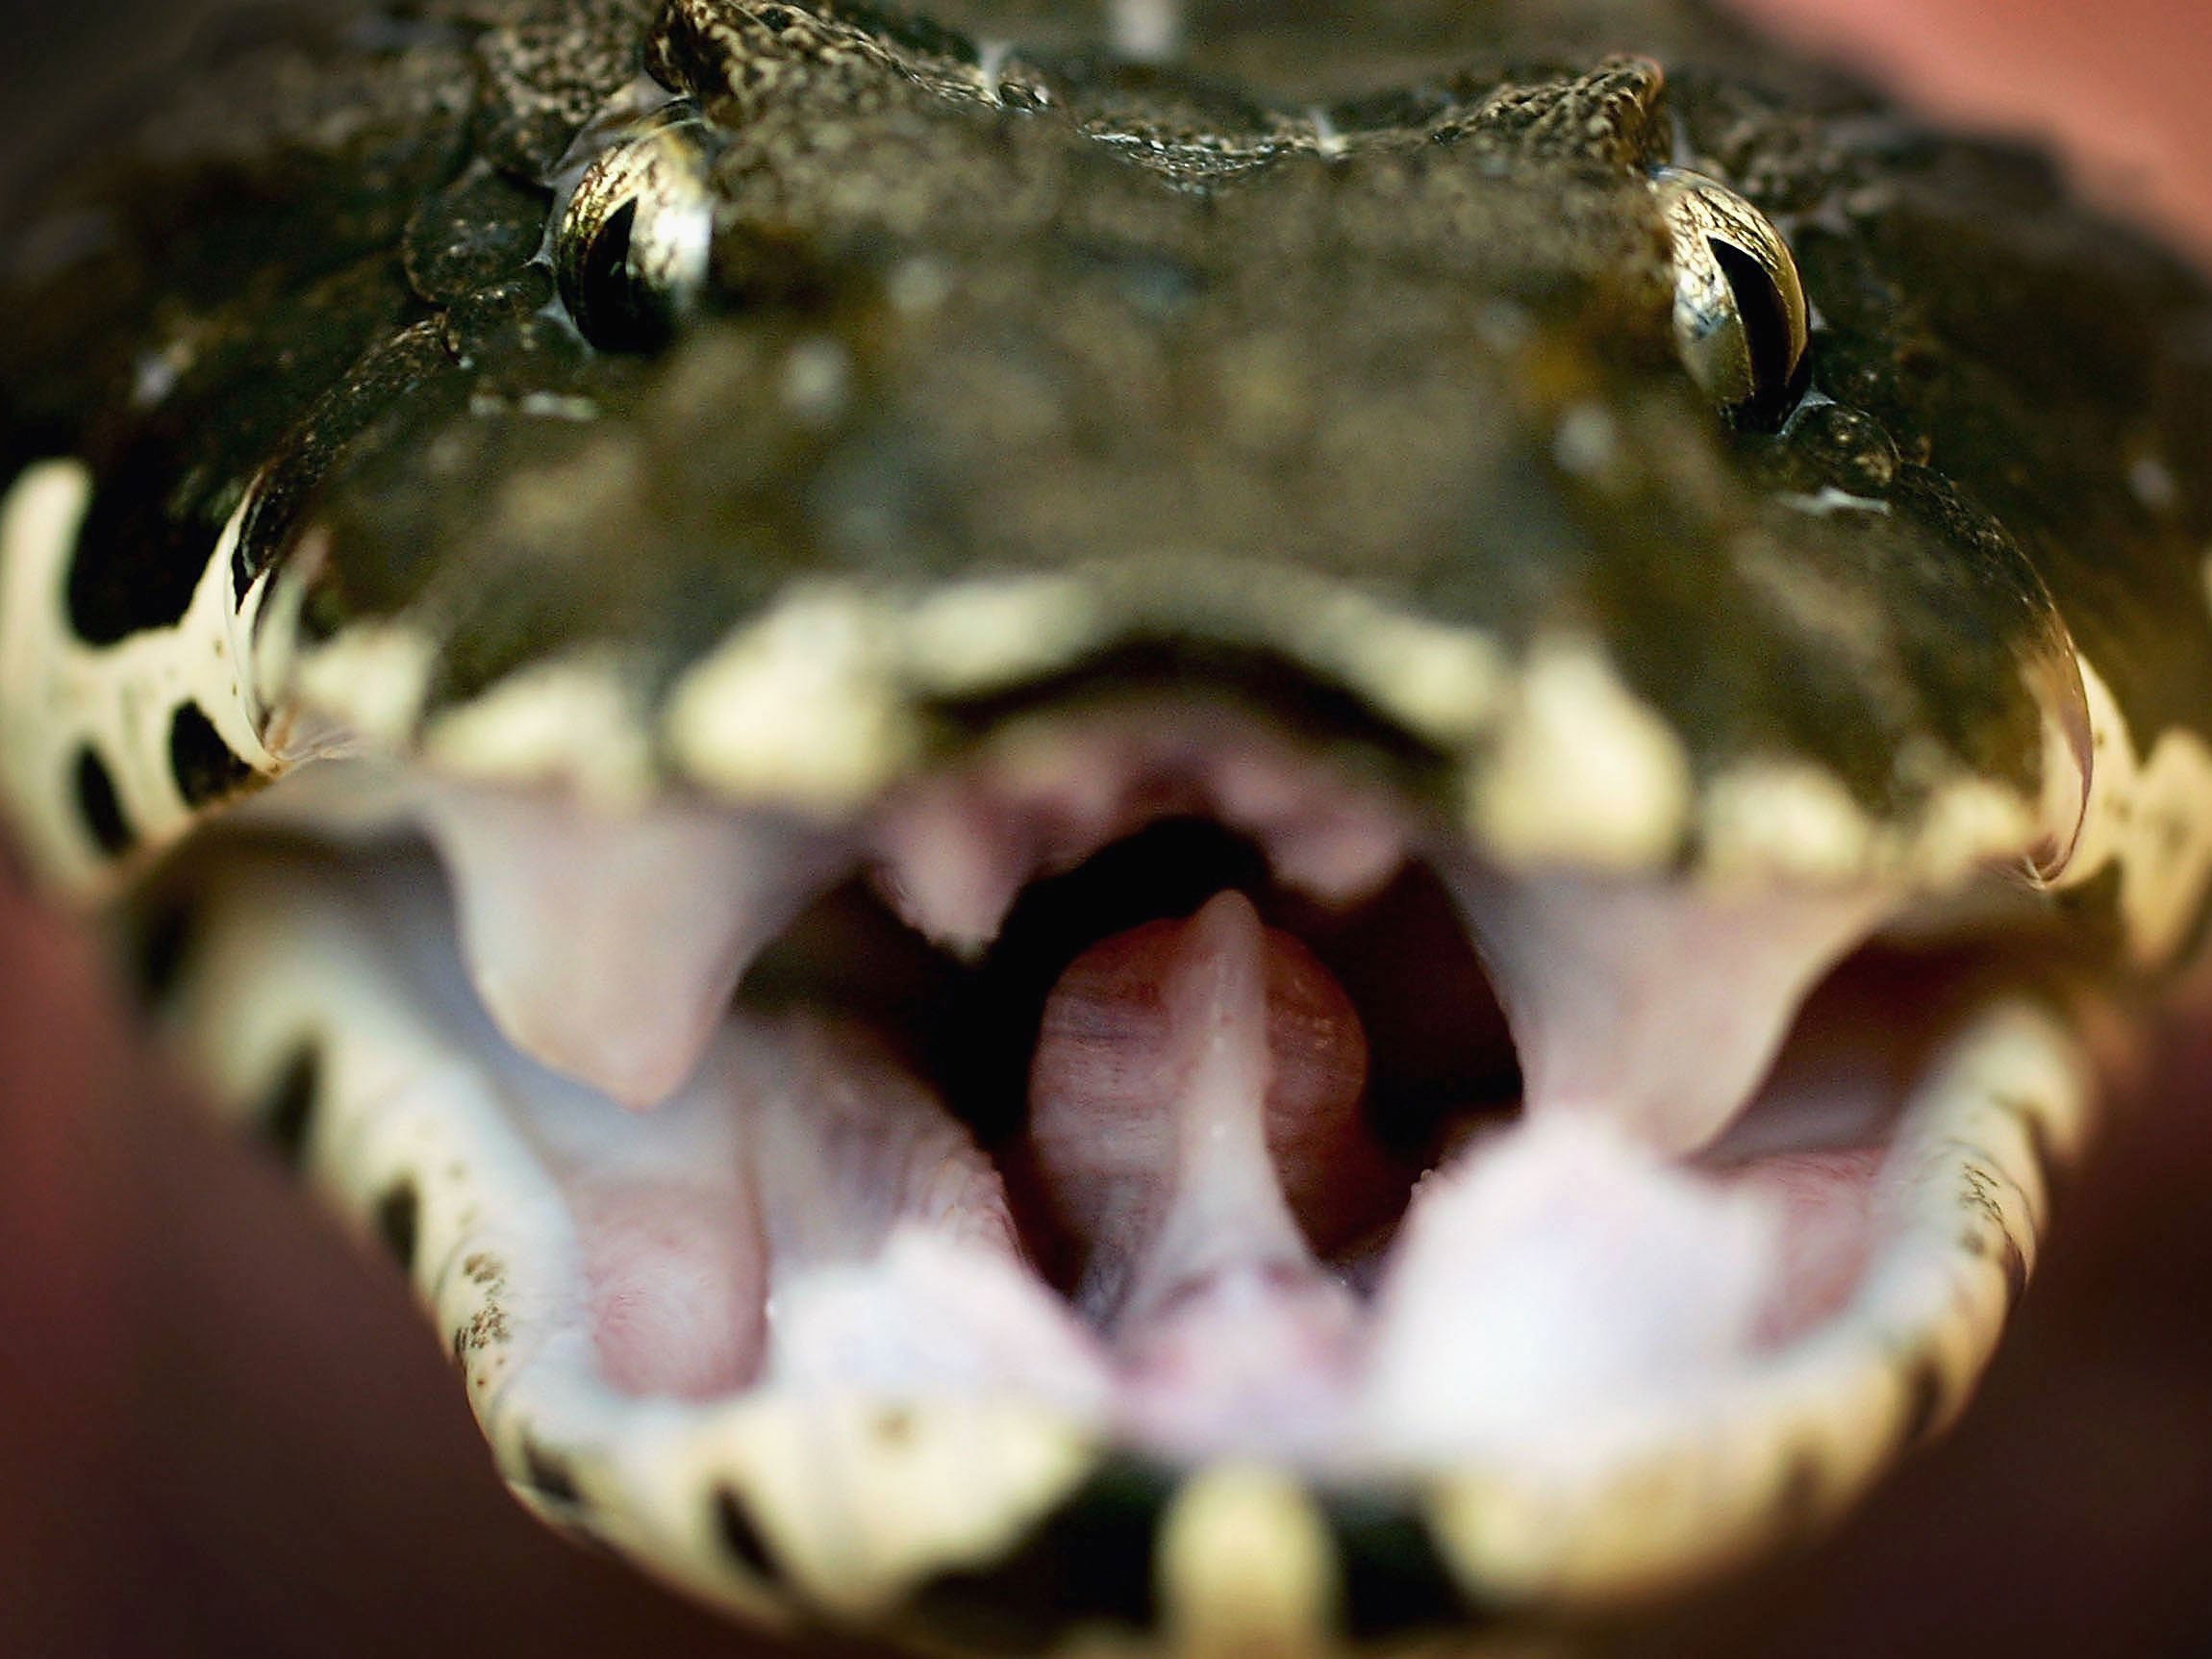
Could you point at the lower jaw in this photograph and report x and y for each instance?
(648, 1392)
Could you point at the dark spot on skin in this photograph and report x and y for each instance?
(164, 941)
(98, 806)
(742, 1539)
(2033, 1131)
(133, 572)
(486, 1329)
(1981, 1195)
(1089, 1562)
(774, 19)
(1796, 1499)
(205, 768)
(2014, 1261)
(548, 1476)
(397, 1216)
(1394, 1580)
(287, 1118)
(1923, 1392)
(894, 1427)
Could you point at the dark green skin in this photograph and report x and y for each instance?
(1223, 346)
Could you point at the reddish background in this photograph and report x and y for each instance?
(221, 1433)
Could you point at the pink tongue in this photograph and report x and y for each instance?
(1196, 1128)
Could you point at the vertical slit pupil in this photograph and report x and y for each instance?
(616, 311)
(1765, 324)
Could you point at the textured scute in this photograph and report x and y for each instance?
(271, 160)
(479, 230)
(178, 471)
(1359, 370)
(2050, 445)
(545, 68)
(1376, 295)
(200, 284)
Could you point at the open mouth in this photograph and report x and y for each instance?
(817, 1212)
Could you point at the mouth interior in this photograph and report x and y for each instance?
(1434, 1057)
(1213, 1237)
(1221, 1112)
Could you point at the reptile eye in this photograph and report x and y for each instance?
(1740, 319)
(634, 241)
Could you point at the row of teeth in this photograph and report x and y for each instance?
(608, 948)
(423, 1132)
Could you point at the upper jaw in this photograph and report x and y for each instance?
(1595, 1361)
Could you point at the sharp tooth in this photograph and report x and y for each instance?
(950, 864)
(607, 948)
(1327, 839)
(1656, 1008)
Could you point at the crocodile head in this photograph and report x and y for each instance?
(1320, 839)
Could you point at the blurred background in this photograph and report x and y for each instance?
(223, 1433)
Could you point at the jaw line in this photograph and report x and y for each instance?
(495, 1255)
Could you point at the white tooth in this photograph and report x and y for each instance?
(1340, 863)
(1555, 1290)
(1657, 1008)
(1321, 836)
(608, 947)
(950, 866)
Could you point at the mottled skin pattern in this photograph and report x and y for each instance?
(1072, 314)
(1353, 365)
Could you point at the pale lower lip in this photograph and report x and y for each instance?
(854, 1529)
